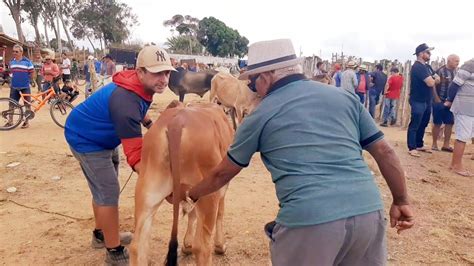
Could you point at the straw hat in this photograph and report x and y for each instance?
(351, 64)
(270, 55)
(363, 67)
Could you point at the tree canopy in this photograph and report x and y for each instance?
(221, 40)
(213, 34)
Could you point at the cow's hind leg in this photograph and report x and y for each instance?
(149, 194)
(188, 238)
(206, 214)
(219, 242)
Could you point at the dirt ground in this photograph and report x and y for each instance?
(50, 221)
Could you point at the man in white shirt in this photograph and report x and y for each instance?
(66, 67)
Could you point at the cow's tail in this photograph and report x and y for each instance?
(175, 130)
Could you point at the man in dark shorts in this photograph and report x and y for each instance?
(442, 114)
(22, 74)
(95, 128)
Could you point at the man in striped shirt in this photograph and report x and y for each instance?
(22, 73)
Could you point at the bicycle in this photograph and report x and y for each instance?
(15, 113)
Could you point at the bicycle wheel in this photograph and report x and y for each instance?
(11, 114)
(59, 110)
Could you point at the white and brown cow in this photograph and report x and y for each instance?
(179, 150)
(234, 94)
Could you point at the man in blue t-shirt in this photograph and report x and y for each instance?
(23, 73)
(96, 127)
(423, 82)
(330, 206)
(379, 79)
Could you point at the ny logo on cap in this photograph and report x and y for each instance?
(160, 56)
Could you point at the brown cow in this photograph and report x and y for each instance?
(234, 94)
(179, 150)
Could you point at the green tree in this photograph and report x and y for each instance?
(33, 10)
(221, 40)
(15, 11)
(53, 43)
(106, 21)
(180, 44)
(185, 26)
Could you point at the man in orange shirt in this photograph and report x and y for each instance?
(50, 72)
(392, 94)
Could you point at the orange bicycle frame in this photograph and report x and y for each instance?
(37, 98)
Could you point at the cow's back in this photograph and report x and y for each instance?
(206, 136)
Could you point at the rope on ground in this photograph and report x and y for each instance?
(49, 212)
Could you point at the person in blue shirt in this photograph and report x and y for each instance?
(23, 73)
(379, 79)
(95, 128)
(423, 82)
(310, 137)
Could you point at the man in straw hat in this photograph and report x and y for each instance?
(110, 117)
(349, 78)
(363, 83)
(330, 207)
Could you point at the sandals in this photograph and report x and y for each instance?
(25, 125)
(414, 153)
(423, 149)
(447, 149)
(464, 173)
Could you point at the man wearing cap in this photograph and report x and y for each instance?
(423, 82)
(330, 207)
(112, 116)
(379, 79)
(22, 74)
(349, 79)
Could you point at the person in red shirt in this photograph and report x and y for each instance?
(392, 94)
(51, 74)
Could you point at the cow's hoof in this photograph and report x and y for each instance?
(220, 250)
(187, 250)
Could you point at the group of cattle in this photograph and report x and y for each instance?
(225, 90)
(172, 163)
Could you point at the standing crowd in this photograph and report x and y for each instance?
(429, 100)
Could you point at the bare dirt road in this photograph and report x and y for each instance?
(55, 222)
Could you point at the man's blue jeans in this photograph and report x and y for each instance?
(374, 96)
(420, 117)
(389, 110)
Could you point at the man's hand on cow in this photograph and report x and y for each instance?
(401, 217)
(187, 203)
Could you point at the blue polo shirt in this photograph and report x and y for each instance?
(419, 91)
(21, 71)
(310, 137)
